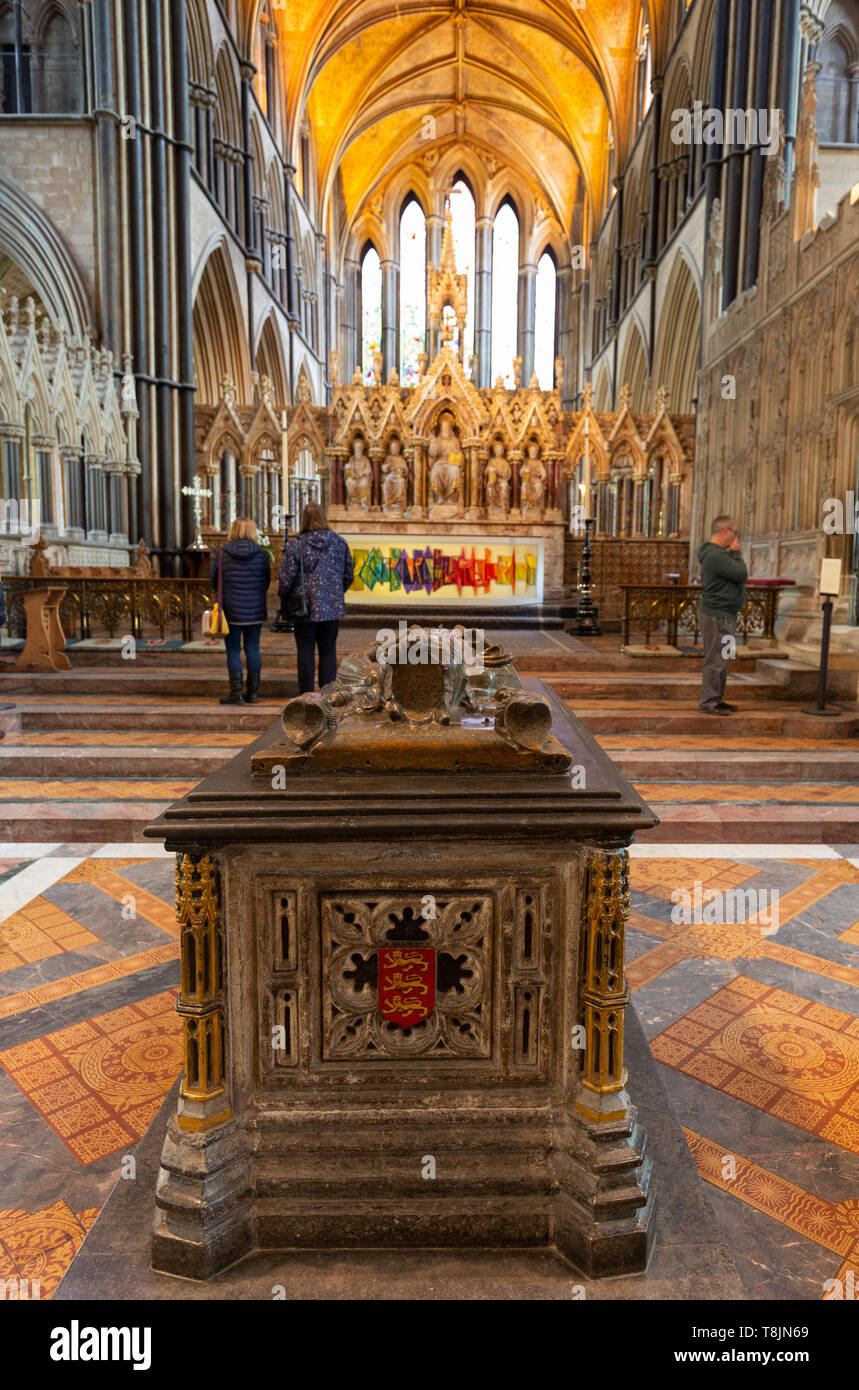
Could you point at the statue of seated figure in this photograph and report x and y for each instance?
(497, 486)
(446, 470)
(395, 481)
(532, 481)
(358, 474)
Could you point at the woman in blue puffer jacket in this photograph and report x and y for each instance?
(328, 573)
(247, 572)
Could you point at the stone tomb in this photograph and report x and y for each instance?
(403, 987)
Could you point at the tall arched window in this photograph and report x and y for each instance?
(505, 292)
(837, 89)
(544, 322)
(371, 310)
(413, 290)
(642, 66)
(265, 81)
(462, 220)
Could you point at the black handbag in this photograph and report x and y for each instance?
(293, 606)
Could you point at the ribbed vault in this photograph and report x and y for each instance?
(540, 82)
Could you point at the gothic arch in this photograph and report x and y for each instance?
(602, 394)
(30, 239)
(633, 366)
(675, 362)
(220, 345)
(201, 61)
(228, 123)
(270, 359)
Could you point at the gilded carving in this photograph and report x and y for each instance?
(201, 1002)
(604, 992)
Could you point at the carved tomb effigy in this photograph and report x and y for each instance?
(402, 921)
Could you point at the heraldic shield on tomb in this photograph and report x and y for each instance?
(404, 984)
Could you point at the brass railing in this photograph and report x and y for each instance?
(118, 606)
(673, 609)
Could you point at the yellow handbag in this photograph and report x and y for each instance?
(218, 625)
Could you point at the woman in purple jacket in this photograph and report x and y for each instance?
(246, 575)
(328, 573)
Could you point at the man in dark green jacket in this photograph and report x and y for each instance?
(723, 590)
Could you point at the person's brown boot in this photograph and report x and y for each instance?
(235, 695)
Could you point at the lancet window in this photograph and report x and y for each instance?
(463, 222)
(371, 310)
(505, 292)
(544, 322)
(413, 297)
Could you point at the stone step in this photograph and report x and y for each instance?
(738, 765)
(174, 758)
(158, 717)
(209, 683)
(769, 720)
(733, 824)
(617, 686)
(78, 821)
(113, 819)
(802, 680)
(554, 653)
(112, 761)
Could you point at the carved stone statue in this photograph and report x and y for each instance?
(395, 481)
(359, 478)
(497, 489)
(446, 467)
(532, 481)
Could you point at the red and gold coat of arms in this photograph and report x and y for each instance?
(406, 983)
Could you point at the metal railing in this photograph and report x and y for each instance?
(117, 606)
(673, 609)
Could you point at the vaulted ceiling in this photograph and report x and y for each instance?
(539, 81)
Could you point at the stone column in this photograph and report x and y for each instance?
(232, 480)
(733, 209)
(390, 317)
(565, 334)
(435, 228)
(471, 494)
(638, 508)
(350, 328)
(419, 478)
(526, 319)
(376, 454)
(514, 457)
(483, 300)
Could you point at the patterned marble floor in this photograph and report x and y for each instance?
(756, 1030)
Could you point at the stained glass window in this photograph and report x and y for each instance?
(462, 219)
(413, 295)
(544, 323)
(505, 293)
(371, 310)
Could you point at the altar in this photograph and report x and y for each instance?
(411, 566)
(446, 493)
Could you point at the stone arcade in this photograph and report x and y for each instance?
(414, 952)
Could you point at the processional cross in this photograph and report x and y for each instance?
(198, 493)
